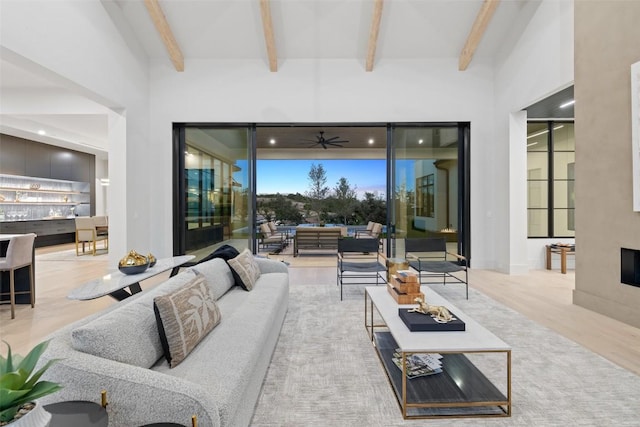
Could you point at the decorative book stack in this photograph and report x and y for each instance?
(404, 287)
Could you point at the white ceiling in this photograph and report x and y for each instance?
(232, 29)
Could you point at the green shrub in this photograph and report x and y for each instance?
(18, 383)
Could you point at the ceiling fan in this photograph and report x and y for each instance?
(334, 141)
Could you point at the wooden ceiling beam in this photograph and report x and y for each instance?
(269, 38)
(477, 31)
(373, 34)
(163, 28)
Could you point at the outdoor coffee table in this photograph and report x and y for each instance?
(461, 389)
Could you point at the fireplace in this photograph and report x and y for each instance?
(630, 266)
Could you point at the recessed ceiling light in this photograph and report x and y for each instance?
(420, 141)
(41, 132)
(371, 141)
(566, 104)
(272, 141)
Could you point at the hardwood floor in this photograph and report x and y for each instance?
(543, 296)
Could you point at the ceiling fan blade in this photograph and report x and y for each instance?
(339, 141)
(331, 139)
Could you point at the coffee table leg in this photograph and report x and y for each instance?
(121, 294)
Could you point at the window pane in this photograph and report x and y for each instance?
(563, 194)
(537, 194)
(564, 223)
(563, 165)
(537, 136)
(563, 138)
(538, 165)
(537, 222)
(425, 183)
(216, 187)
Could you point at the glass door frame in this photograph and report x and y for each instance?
(464, 184)
(464, 179)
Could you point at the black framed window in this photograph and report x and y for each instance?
(425, 205)
(550, 179)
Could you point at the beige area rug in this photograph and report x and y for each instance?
(70, 255)
(325, 372)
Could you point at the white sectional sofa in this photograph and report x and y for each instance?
(118, 350)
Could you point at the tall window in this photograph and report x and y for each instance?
(425, 196)
(550, 179)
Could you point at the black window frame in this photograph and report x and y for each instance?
(550, 180)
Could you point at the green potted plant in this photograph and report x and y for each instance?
(20, 387)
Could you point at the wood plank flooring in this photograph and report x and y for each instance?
(543, 296)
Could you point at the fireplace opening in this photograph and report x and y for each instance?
(630, 266)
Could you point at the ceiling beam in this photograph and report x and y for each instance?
(162, 26)
(269, 38)
(373, 34)
(477, 31)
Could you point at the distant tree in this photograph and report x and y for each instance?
(263, 207)
(285, 210)
(318, 191)
(372, 208)
(344, 201)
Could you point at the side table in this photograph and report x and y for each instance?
(77, 413)
(563, 251)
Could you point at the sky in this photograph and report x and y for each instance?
(292, 176)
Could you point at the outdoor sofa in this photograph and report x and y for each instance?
(317, 238)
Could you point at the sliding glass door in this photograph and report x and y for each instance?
(215, 185)
(212, 197)
(429, 184)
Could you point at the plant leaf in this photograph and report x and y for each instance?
(43, 388)
(30, 361)
(9, 364)
(8, 398)
(35, 377)
(11, 381)
(7, 415)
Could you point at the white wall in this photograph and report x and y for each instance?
(105, 66)
(324, 91)
(77, 43)
(539, 64)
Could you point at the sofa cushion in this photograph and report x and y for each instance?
(185, 317)
(218, 275)
(247, 268)
(128, 334)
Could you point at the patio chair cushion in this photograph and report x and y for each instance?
(436, 266)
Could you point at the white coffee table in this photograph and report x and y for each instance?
(461, 389)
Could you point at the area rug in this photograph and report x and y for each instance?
(325, 373)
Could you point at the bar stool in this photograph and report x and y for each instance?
(19, 254)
